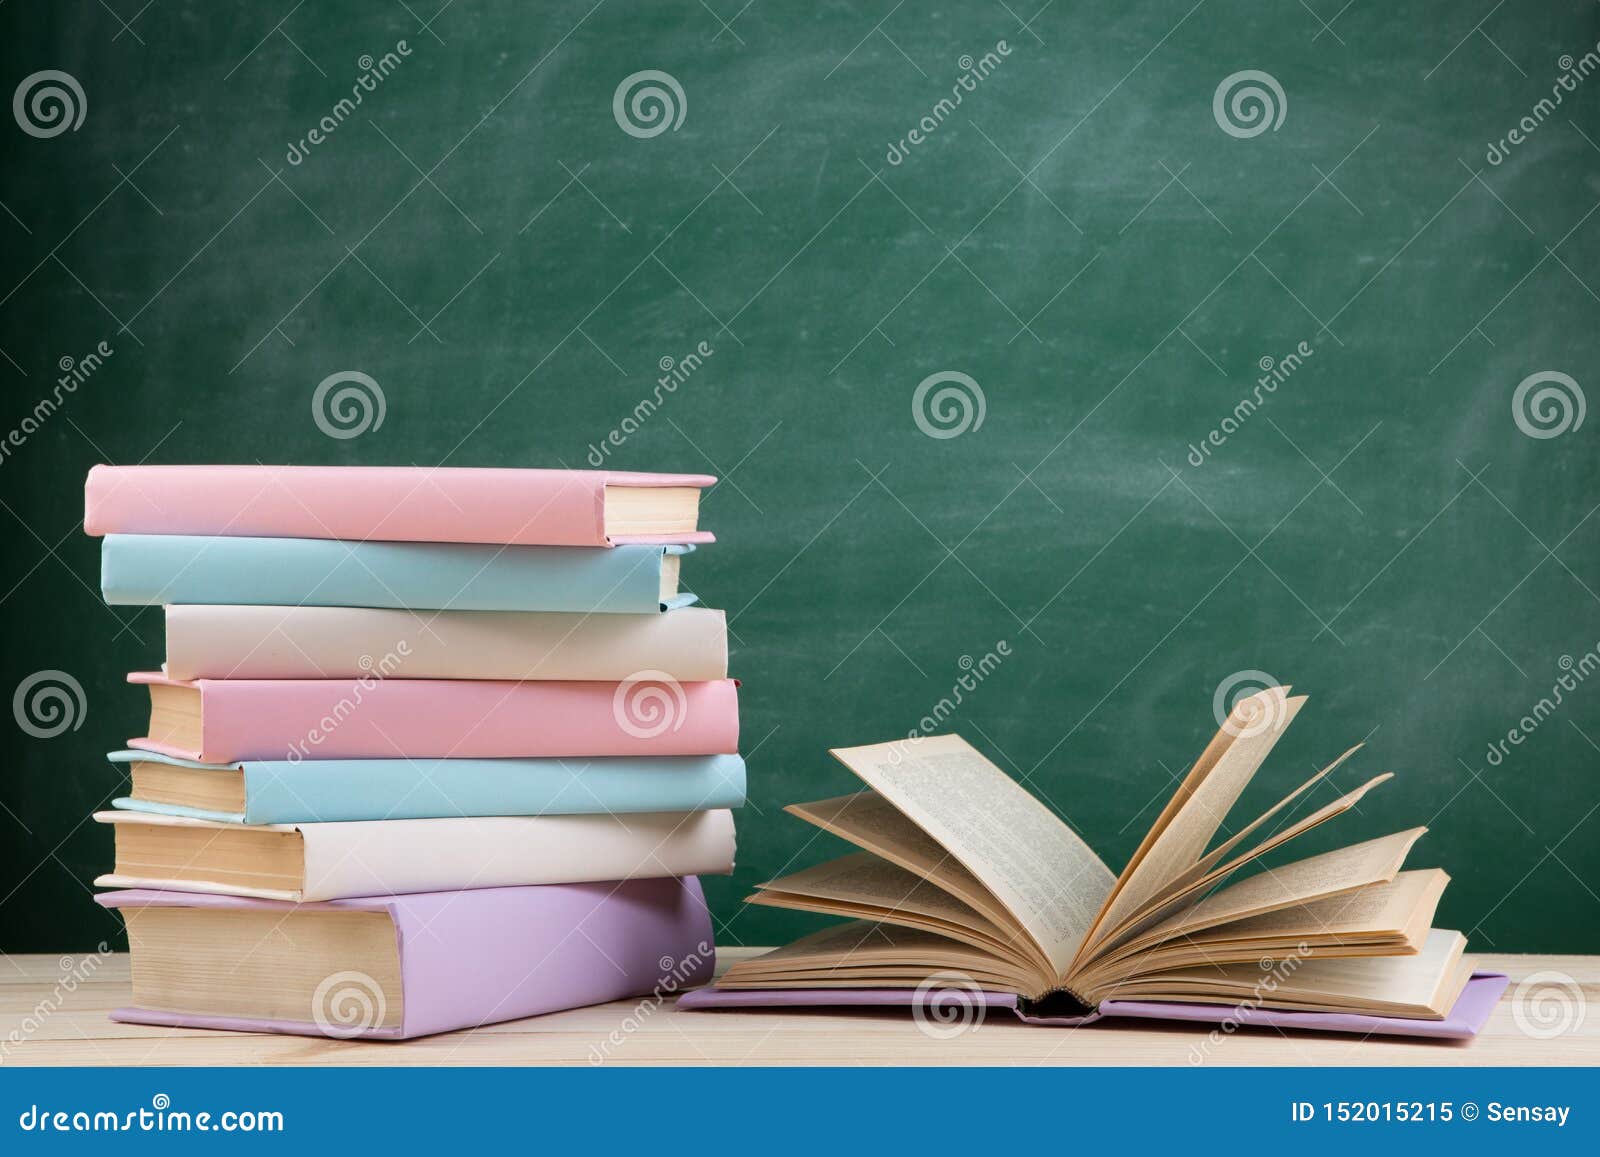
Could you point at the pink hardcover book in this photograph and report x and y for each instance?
(222, 720)
(418, 964)
(397, 503)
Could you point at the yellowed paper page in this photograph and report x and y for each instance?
(1257, 723)
(1032, 862)
(872, 823)
(1302, 882)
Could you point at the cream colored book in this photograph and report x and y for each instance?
(961, 870)
(333, 861)
(269, 642)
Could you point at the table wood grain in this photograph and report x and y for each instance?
(43, 1023)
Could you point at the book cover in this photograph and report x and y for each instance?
(271, 642)
(327, 790)
(357, 503)
(376, 718)
(946, 1006)
(387, 857)
(152, 569)
(472, 958)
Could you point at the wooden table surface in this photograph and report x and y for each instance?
(43, 1023)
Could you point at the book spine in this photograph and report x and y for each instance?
(392, 789)
(270, 642)
(477, 958)
(392, 857)
(527, 507)
(149, 570)
(373, 718)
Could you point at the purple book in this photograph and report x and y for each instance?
(1471, 1011)
(453, 959)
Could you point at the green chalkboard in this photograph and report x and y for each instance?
(1169, 346)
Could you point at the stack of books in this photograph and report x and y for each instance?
(431, 748)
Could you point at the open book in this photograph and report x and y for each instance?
(963, 872)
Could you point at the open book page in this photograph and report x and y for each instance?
(865, 887)
(1424, 985)
(1032, 862)
(1385, 919)
(1302, 882)
(1256, 724)
(863, 954)
(1212, 858)
(1181, 894)
(1403, 907)
(871, 822)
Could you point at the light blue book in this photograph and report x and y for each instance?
(329, 790)
(155, 569)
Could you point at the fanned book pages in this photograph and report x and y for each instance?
(327, 790)
(393, 967)
(334, 861)
(263, 642)
(147, 570)
(224, 720)
(963, 872)
(397, 503)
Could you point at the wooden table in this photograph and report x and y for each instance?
(59, 1027)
